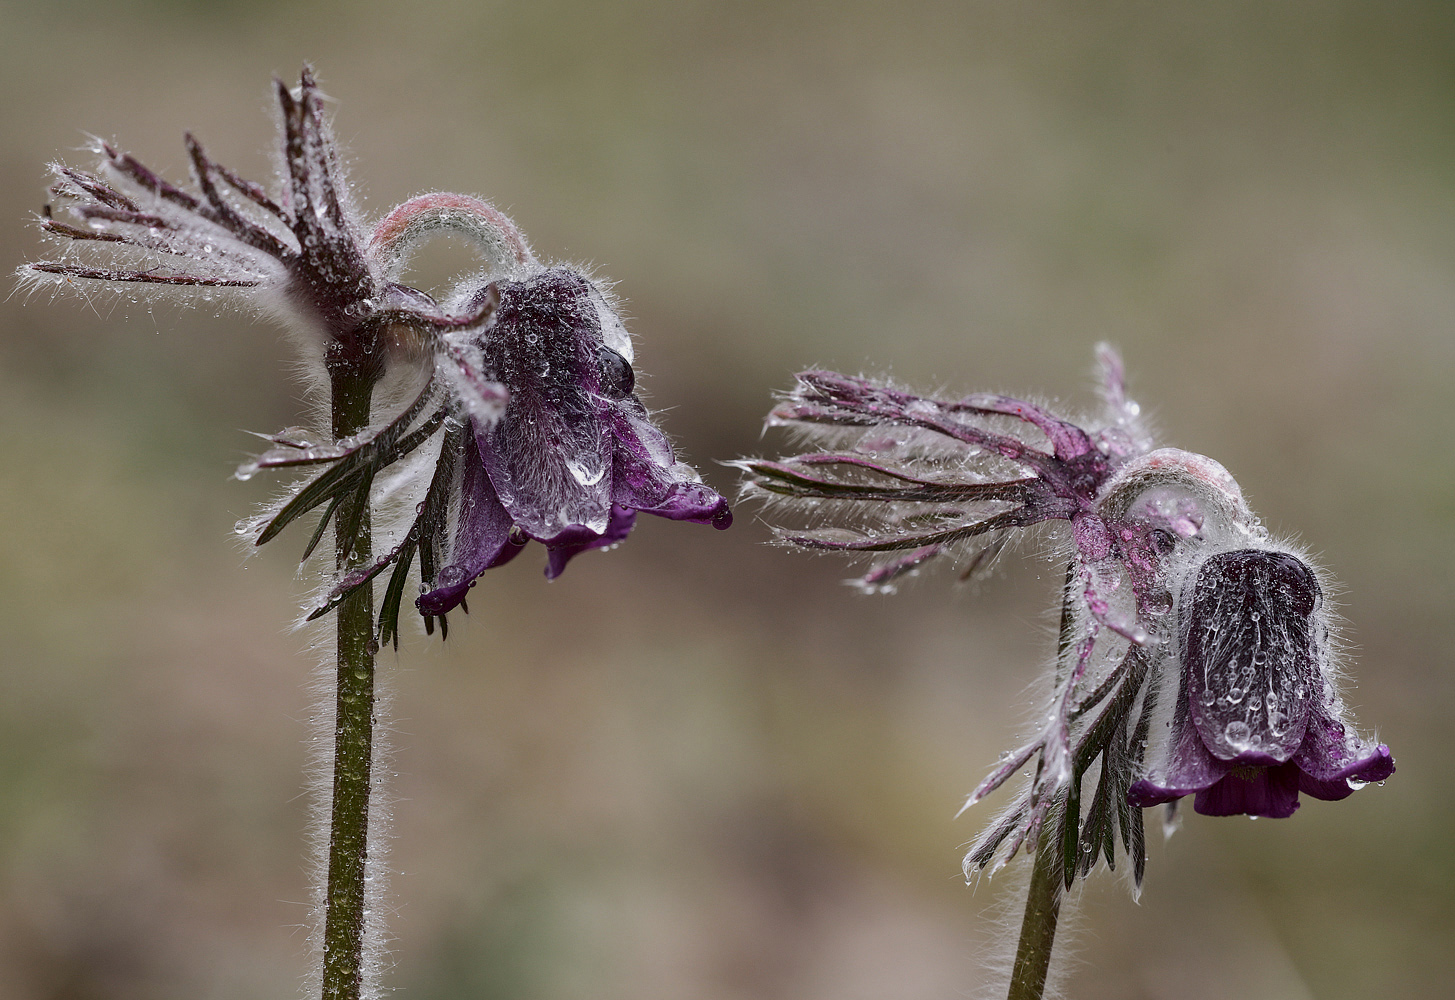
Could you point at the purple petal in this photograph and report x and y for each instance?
(646, 476)
(482, 538)
(1250, 663)
(573, 541)
(1268, 791)
(1189, 769)
(549, 456)
(1330, 757)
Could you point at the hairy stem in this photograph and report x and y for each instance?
(1038, 927)
(348, 849)
(1043, 902)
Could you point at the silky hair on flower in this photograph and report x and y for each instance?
(518, 387)
(1195, 654)
(455, 431)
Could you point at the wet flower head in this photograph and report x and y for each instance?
(1195, 655)
(511, 407)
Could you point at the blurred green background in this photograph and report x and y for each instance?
(699, 766)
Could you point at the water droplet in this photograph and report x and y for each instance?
(451, 576)
(1237, 734)
(587, 473)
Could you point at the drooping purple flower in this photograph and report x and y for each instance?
(575, 456)
(522, 374)
(1256, 720)
(1162, 555)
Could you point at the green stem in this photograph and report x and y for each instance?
(1043, 902)
(348, 849)
(1038, 927)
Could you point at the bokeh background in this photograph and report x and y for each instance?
(698, 766)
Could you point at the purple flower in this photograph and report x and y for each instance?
(1168, 574)
(518, 418)
(1256, 720)
(575, 456)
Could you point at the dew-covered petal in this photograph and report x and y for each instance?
(482, 538)
(549, 455)
(573, 541)
(1188, 769)
(1249, 656)
(647, 477)
(1331, 756)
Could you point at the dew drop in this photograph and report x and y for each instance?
(584, 472)
(451, 576)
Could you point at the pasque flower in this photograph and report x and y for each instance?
(509, 414)
(573, 458)
(1256, 720)
(1195, 654)
(517, 417)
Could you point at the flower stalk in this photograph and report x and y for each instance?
(1038, 926)
(346, 891)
